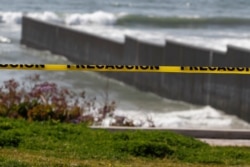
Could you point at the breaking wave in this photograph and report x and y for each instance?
(106, 18)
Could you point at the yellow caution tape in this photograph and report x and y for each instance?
(128, 68)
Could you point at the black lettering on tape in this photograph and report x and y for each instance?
(230, 68)
(144, 67)
(221, 68)
(40, 66)
(155, 67)
(212, 68)
(3, 65)
(240, 68)
(28, 65)
(90, 66)
(80, 66)
(203, 68)
(68, 66)
(119, 67)
(14, 65)
(99, 66)
(129, 67)
(194, 68)
(112, 67)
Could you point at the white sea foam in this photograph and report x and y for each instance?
(4, 40)
(46, 16)
(97, 23)
(16, 17)
(206, 117)
(98, 17)
(11, 17)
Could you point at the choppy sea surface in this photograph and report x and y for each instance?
(208, 23)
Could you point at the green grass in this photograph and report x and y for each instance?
(26, 143)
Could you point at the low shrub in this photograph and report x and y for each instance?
(145, 149)
(6, 126)
(10, 139)
(42, 101)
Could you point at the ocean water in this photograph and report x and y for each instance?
(208, 23)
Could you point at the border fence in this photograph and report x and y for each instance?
(230, 93)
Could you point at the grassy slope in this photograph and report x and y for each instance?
(55, 144)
